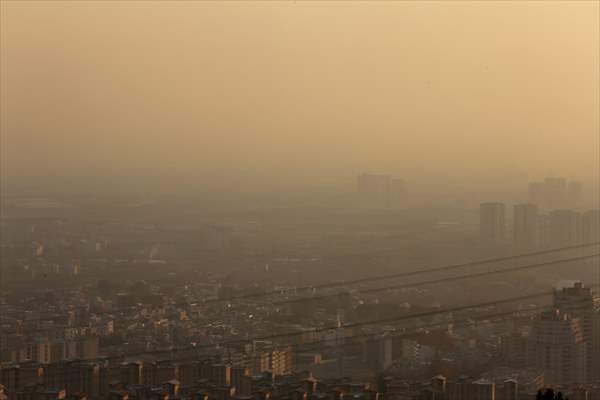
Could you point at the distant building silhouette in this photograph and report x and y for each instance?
(562, 228)
(590, 226)
(553, 193)
(379, 190)
(526, 226)
(492, 224)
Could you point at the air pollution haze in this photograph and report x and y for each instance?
(299, 200)
(290, 95)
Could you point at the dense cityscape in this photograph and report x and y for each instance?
(159, 310)
(299, 200)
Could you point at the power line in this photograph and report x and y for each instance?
(397, 319)
(414, 284)
(271, 337)
(318, 344)
(484, 317)
(358, 324)
(445, 280)
(412, 273)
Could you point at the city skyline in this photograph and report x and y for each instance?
(299, 200)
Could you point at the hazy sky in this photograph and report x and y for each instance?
(299, 91)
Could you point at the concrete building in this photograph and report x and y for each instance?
(378, 353)
(526, 226)
(482, 389)
(492, 223)
(465, 388)
(73, 377)
(590, 226)
(562, 228)
(281, 361)
(553, 193)
(514, 349)
(581, 302)
(560, 349)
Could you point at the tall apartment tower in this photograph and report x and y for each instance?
(525, 226)
(554, 193)
(560, 348)
(581, 302)
(562, 228)
(590, 226)
(492, 224)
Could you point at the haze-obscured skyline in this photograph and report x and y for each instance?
(298, 92)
